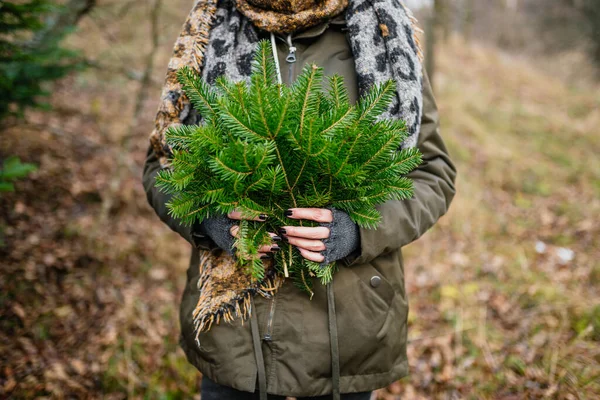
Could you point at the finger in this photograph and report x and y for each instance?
(261, 254)
(238, 215)
(269, 248)
(308, 244)
(313, 214)
(317, 232)
(311, 255)
(234, 230)
(275, 237)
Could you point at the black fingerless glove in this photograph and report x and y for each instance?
(344, 237)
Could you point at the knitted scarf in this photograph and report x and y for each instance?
(285, 16)
(219, 38)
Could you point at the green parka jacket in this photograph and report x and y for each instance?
(370, 298)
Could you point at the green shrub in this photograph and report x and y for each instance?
(13, 169)
(29, 60)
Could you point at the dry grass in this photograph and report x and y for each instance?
(91, 280)
(519, 323)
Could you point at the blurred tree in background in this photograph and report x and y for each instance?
(535, 27)
(30, 50)
(592, 11)
(579, 19)
(31, 57)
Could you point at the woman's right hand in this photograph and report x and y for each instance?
(223, 230)
(264, 251)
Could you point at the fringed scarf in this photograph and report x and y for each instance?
(285, 16)
(219, 38)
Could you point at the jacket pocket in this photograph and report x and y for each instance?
(204, 346)
(363, 299)
(375, 283)
(225, 343)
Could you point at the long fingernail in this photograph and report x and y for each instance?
(263, 217)
(264, 257)
(288, 213)
(275, 248)
(283, 231)
(276, 238)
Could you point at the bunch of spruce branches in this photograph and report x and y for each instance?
(264, 147)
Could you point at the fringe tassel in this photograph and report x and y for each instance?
(239, 307)
(416, 31)
(195, 34)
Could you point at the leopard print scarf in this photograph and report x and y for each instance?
(219, 38)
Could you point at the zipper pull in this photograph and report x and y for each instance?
(291, 57)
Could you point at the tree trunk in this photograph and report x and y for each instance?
(591, 11)
(441, 13)
(469, 19)
(438, 29)
(430, 42)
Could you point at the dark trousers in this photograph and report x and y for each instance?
(213, 391)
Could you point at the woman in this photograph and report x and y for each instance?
(350, 338)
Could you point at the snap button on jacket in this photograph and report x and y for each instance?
(375, 281)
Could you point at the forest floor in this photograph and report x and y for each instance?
(504, 290)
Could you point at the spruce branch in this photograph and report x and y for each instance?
(262, 148)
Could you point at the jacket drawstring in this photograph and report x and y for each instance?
(333, 340)
(258, 355)
(275, 58)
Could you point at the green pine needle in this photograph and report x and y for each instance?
(263, 148)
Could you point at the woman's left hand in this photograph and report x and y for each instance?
(308, 240)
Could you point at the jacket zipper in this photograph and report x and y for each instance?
(269, 331)
(291, 60)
